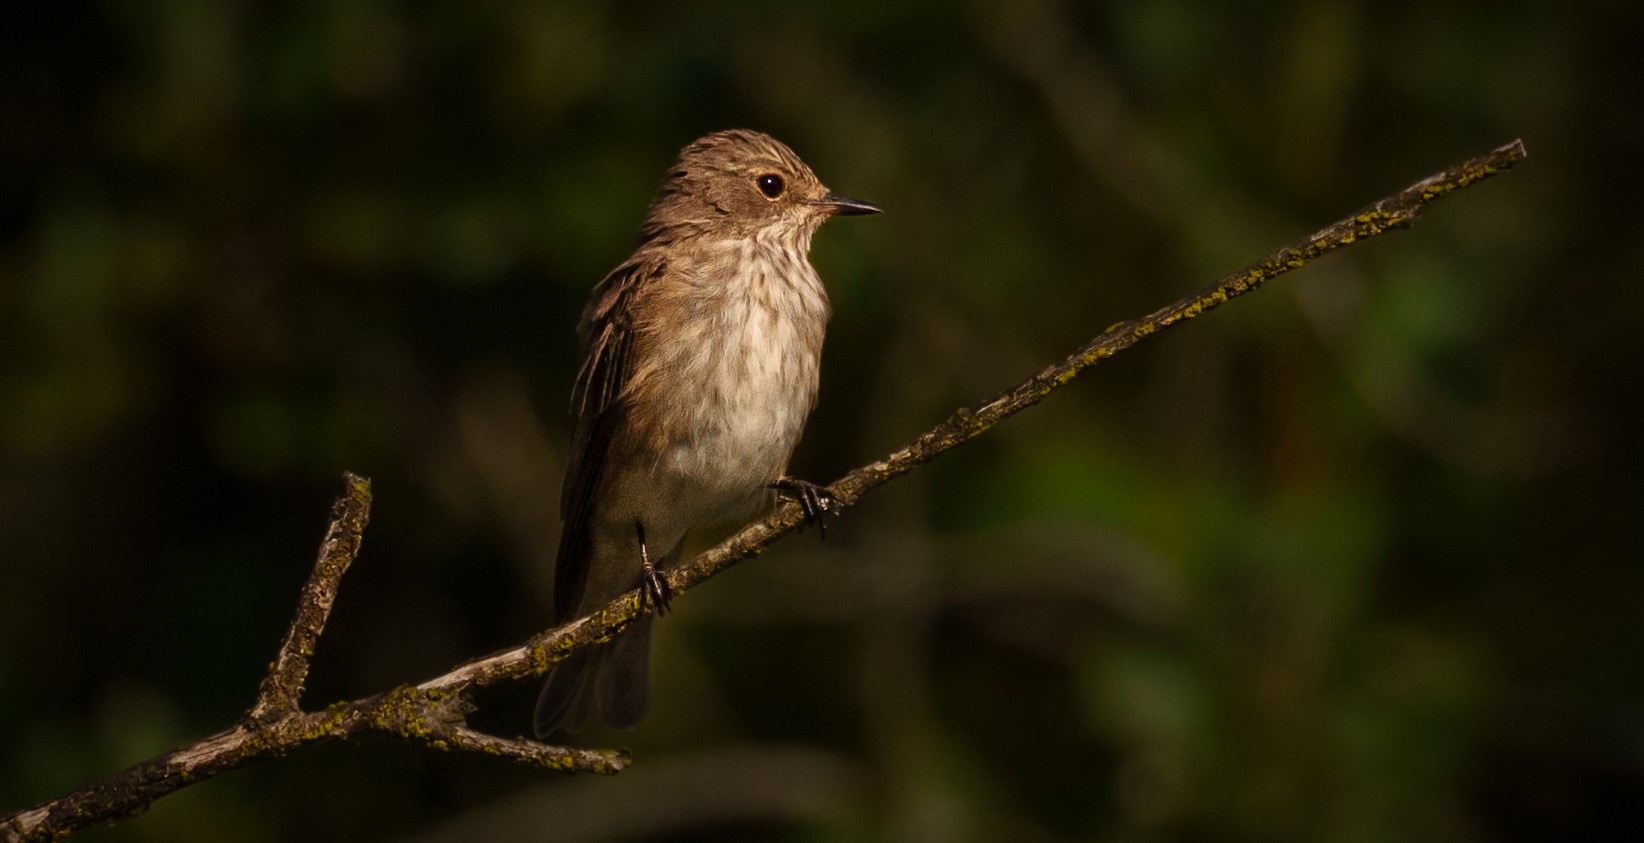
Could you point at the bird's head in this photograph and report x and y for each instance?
(746, 184)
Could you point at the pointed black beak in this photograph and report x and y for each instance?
(843, 207)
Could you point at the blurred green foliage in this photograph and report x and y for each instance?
(1355, 559)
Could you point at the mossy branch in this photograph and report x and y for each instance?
(275, 724)
(434, 712)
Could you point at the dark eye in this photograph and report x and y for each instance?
(770, 184)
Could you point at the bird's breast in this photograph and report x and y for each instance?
(748, 363)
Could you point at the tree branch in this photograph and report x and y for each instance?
(434, 712)
(283, 685)
(275, 724)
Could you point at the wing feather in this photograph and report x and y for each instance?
(607, 333)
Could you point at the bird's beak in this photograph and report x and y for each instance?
(840, 206)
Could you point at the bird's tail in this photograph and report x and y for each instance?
(615, 676)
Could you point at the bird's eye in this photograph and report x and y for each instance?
(770, 184)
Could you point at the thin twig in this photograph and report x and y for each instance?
(1396, 211)
(433, 712)
(282, 688)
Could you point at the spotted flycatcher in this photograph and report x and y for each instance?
(699, 366)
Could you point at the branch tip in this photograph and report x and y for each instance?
(282, 687)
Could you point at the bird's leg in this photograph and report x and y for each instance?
(653, 587)
(816, 501)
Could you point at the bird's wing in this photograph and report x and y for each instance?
(607, 341)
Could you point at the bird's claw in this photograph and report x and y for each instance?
(815, 501)
(654, 590)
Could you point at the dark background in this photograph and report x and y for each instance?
(1353, 559)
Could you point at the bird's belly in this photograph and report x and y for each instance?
(747, 400)
(737, 447)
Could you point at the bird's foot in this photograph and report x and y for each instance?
(816, 501)
(654, 590)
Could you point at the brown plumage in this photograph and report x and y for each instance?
(700, 356)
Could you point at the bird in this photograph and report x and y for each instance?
(699, 363)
